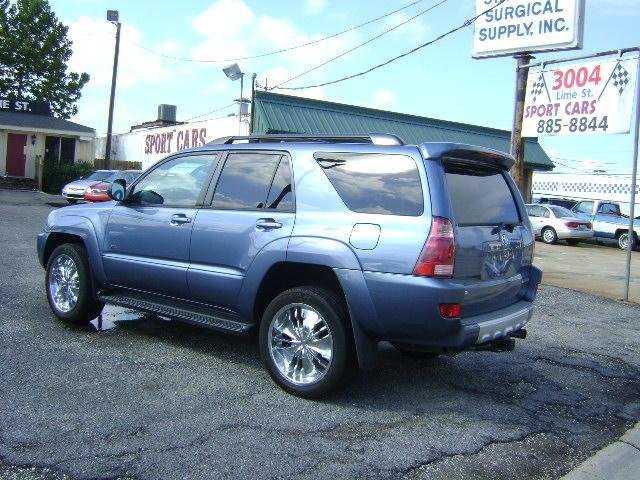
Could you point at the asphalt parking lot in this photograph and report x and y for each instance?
(589, 268)
(153, 399)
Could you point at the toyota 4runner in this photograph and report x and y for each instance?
(326, 245)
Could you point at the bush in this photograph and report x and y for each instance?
(56, 174)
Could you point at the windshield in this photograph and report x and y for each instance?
(560, 212)
(98, 175)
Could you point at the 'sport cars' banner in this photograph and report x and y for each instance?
(521, 26)
(594, 98)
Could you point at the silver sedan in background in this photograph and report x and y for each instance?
(553, 223)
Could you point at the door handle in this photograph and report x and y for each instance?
(179, 219)
(267, 224)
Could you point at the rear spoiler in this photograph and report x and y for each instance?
(468, 153)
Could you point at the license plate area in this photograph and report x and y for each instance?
(501, 259)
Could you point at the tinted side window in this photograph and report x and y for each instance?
(544, 212)
(177, 182)
(609, 209)
(281, 194)
(375, 183)
(245, 180)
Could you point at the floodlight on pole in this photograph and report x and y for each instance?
(234, 73)
(113, 17)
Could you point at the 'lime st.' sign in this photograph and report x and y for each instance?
(517, 26)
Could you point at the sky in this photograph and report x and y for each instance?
(441, 81)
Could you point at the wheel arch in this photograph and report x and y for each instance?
(285, 275)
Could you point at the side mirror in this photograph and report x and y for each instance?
(117, 190)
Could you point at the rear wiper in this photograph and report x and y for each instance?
(509, 227)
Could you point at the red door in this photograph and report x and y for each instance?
(15, 154)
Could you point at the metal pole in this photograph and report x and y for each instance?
(240, 104)
(636, 136)
(583, 57)
(253, 102)
(517, 144)
(107, 153)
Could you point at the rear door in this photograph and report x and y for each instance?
(493, 241)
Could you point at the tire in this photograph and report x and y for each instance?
(287, 363)
(572, 241)
(414, 352)
(623, 239)
(63, 262)
(549, 235)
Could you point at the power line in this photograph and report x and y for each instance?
(209, 113)
(361, 44)
(466, 24)
(267, 54)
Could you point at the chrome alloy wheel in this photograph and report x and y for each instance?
(300, 344)
(548, 235)
(64, 283)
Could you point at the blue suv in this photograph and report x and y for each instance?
(326, 245)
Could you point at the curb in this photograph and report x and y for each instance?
(619, 460)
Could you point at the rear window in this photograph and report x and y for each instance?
(375, 183)
(480, 196)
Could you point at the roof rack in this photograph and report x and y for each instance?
(372, 138)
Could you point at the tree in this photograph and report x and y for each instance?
(34, 51)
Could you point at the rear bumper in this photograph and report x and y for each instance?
(407, 309)
(577, 234)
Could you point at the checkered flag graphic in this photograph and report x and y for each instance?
(538, 87)
(620, 78)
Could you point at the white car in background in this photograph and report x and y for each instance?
(74, 191)
(553, 223)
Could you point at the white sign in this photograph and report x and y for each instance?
(150, 145)
(519, 26)
(594, 98)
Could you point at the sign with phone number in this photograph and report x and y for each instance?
(594, 98)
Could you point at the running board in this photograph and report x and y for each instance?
(194, 313)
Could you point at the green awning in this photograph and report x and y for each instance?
(276, 113)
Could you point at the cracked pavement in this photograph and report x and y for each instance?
(150, 398)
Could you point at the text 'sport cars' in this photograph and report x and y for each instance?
(553, 223)
(98, 191)
(325, 245)
(74, 191)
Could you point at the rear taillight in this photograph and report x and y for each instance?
(438, 255)
(450, 310)
(572, 224)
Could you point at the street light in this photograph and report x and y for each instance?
(234, 73)
(113, 17)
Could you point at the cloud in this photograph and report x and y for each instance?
(383, 99)
(415, 30)
(247, 34)
(93, 42)
(315, 7)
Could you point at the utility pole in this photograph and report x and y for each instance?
(636, 138)
(517, 144)
(253, 102)
(240, 104)
(113, 17)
